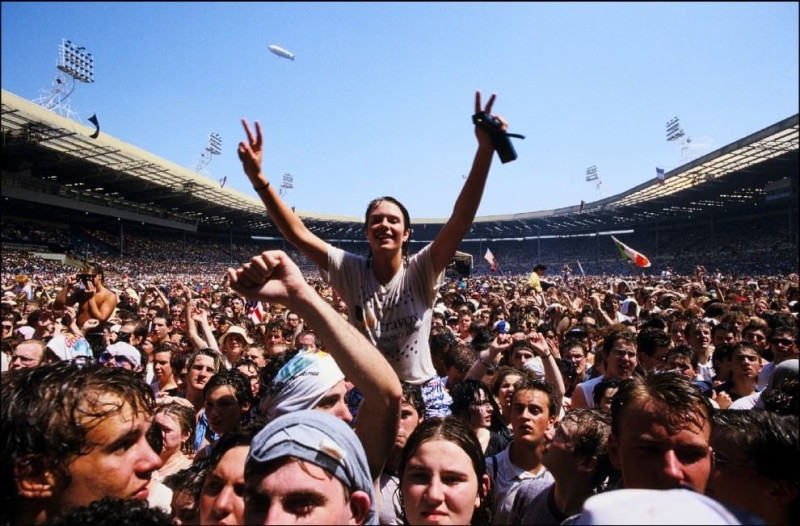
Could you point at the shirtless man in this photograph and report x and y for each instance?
(95, 302)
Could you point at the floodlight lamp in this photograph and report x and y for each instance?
(75, 62)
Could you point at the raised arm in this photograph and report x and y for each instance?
(449, 238)
(290, 225)
(273, 276)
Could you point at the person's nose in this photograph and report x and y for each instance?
(434, 493)
(149, 461)
(672, 470)
(343, 412)
(223, 504)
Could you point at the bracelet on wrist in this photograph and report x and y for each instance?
(261, 188)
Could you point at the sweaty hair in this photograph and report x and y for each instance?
(678, 398)
(48, 412)
(770, 440)
(406, 221)
(185, 418)
(650, 339)
(455, 430)
(591, 441)
(234, 378)
(527, 383)
(412, 395)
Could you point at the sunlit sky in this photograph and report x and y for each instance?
(379, 98)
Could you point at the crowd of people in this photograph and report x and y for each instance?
(381, 389)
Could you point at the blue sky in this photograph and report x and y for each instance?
(379, 98)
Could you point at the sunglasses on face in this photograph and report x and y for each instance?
(118, 360)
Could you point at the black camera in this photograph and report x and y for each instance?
(500, 138)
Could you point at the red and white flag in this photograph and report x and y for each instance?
(256, 312)
(491, 259)
(630, 254)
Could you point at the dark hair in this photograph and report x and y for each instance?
(48, 411)
(743, 344)
(178, 360)
(783, 398)
(613, 336)
(412, 395)
(591, 441)
(527, 383)
(784, 329)
(465, 393)
(768, 439)
(601, 388)
(650, 339)
(500, 375)
(572, 343)
(461, 356)
(684, 351)
(235, 379)
(406, 222)
(724, 327)
(678, 398)
(453, 430)
(121, 512)
(190, 481)
(228, 441)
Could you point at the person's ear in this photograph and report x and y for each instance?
(484, 485)
(34, 479)
(359, 507)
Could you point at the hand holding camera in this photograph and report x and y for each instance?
(500, 138)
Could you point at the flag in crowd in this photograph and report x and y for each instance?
(630, 254)
(255, 311)
(660, 175)
(491, 259)
(581, 268)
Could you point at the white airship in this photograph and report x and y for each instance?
(281, 52)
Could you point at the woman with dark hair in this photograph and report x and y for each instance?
(474, 403)
(389, 295)
(222, 496)
(228, 399)
(177, 424)
(443, 476)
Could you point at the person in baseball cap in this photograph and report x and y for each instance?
(313, 454)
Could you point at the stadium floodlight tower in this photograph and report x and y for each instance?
(675, 132)
(287, 184)
(591, 175)
(74, 63)
(213, 147)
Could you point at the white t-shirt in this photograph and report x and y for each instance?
(588, 390)
(395, 317)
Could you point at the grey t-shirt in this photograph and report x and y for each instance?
(395, 317)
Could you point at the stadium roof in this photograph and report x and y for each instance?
(50, 159)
